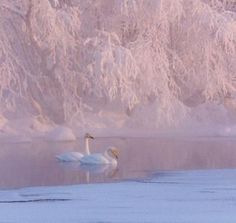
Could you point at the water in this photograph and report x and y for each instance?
(34, 164)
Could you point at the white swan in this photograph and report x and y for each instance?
(110, 156)
(75, 156)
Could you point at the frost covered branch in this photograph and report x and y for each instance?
(94, 60)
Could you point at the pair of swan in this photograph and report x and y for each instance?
(110, 156)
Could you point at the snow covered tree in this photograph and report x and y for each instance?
(99, 59)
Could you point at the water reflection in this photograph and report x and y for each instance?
(34, 164)
(107, 171)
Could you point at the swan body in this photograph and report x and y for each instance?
(70, 157)
(75, 156)
(110, 156)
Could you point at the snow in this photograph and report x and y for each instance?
(61, 133)
(188, 196)
(114, 63)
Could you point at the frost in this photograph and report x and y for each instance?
(3, 121)
(61, 133)
(70, 60)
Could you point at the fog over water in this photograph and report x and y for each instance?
(34, 164)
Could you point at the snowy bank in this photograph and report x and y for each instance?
(61, 133)
(193, 197)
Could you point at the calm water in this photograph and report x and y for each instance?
(34, 164)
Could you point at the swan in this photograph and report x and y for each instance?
(110, 156)
(76, 156)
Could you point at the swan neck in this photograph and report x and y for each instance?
(110, 158)
(108, 155)
(87, 146)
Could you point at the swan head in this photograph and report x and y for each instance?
(113, 152)
(88, 136)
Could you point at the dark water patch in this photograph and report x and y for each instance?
(43, 194)
(35, 200)
(207, 192)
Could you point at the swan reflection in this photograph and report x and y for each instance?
(108, 170)
(92, 171)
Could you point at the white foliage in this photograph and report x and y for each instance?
(60, 59)
(112, 69)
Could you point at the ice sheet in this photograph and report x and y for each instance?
(178, 197)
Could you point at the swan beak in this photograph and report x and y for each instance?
(115, 153)
(91, 137)
(88, 136)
